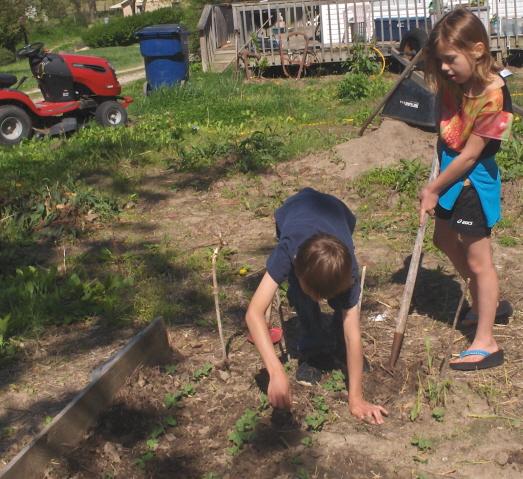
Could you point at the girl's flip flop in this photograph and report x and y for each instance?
(490, 360)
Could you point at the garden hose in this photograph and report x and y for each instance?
(382, 58)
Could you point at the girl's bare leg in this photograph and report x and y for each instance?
(481, 265)
(448, 241)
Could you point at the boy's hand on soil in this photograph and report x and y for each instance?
(279, 392)
(428, 201)
(365, 411)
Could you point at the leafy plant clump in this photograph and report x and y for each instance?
(362, 60)
(432, 389)
(244, 431)
(354, 86)
(30, 298)
(319, 416)
(336, 381)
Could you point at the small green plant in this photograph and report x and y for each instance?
(202, 372)
(48, 420)
(302, 474)
(264, 402)
(316, 420)
(421, 443)
(142, 461)
(507, 241)
(170, 421)
(433, 389)
(170, 400)
(211, 475)
(171, 369)
(244, 431)
(152, 444)
(336, 381)
(438, 413)
(307, 441)
(157, 431)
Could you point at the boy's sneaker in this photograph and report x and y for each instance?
(308, 375)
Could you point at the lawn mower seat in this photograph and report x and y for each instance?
(6, 80)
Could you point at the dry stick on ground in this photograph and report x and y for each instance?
(445, 361)
(215, 292)
(401, 322)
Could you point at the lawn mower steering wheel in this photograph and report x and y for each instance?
(30, 50)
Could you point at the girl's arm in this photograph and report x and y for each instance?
(459, 166)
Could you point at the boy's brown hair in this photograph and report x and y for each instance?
(323, 263)
(461, 30)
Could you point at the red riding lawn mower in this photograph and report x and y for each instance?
(75, 88)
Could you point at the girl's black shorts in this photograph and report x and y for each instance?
(466, 217)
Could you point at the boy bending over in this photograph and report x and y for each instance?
(315, 253)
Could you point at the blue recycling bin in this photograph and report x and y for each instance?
(165, 51)
(394, 25)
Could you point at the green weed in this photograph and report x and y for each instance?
(202, 372)
(244, 431)
(421, 443)
(432, 389)
(362, 60)
(307, 441)
(335, 382)
(319, 416)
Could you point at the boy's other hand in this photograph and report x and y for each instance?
(368, 412)
(279, 391)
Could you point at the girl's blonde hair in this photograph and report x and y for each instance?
(461, 30)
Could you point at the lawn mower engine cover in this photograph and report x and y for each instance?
(63, 77)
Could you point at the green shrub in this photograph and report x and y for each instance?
(121, 31)
(362, 60)
(510, 158)
(6, 56)
(354, 86)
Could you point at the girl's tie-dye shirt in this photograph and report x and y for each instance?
(488, 115)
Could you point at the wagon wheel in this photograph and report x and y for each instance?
(294, 56)
(249, 61)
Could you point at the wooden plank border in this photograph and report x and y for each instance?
(69, 427)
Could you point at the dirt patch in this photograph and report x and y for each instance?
(384, 146)
(479, 436)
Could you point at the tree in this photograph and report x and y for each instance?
(11, 31)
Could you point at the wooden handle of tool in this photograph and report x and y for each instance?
(402, 77)
(401, 322)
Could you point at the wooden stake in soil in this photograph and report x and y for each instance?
(215, 292)
(401, 322)
(445, 362)
(362, 283)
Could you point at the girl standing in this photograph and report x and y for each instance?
(475, 115)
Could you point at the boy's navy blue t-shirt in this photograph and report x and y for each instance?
(303, 215)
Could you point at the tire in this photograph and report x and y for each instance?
(413, 41)
(15, 125)
(111, 113)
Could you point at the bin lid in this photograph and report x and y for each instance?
(155, 31)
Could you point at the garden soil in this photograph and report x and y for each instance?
(478, 434)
